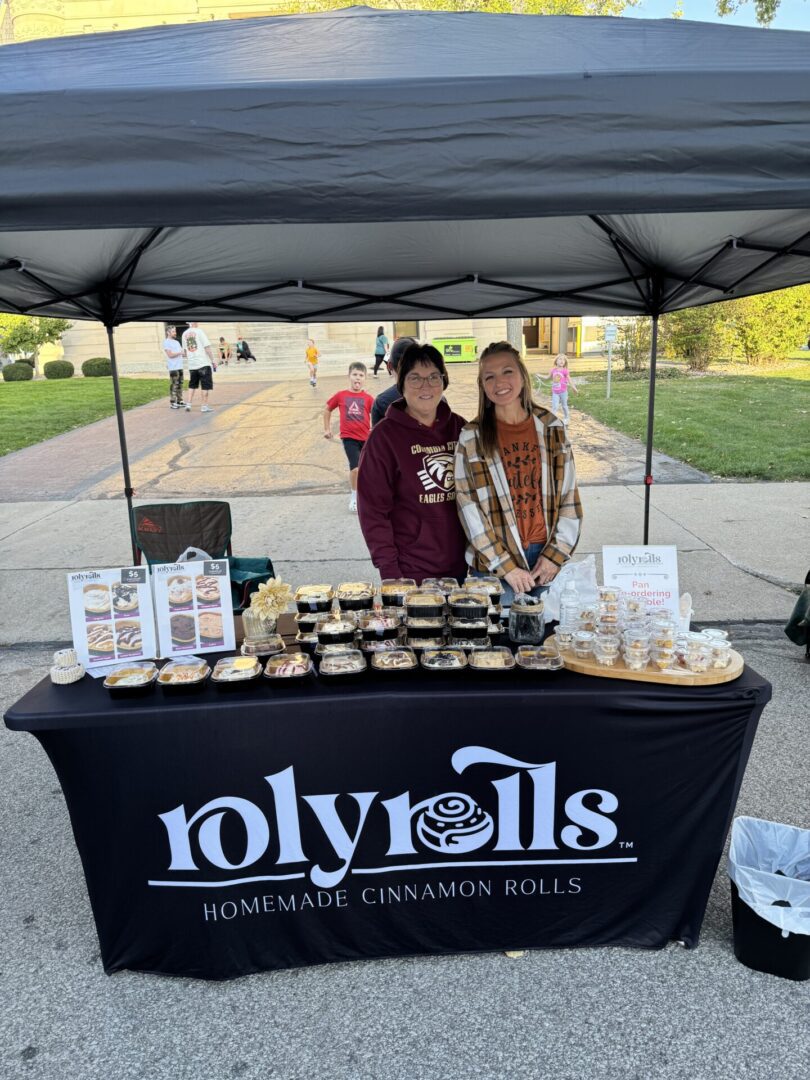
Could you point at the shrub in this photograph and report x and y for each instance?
(58, 369)
(27, 360)
(18, 372)
(96, 366)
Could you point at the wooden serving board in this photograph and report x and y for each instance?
(710, 678)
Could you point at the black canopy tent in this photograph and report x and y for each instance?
(386, 164)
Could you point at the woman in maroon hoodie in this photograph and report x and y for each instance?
(406, 496)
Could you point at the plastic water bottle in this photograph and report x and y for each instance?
(569, 606)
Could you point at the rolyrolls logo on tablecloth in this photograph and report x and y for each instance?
(447, 824)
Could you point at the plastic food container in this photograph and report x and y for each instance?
(470, 628)
(583, 643)
(496, 659)
(490, 583)
(609, 594)
(382, 645)
(394, 661)
(307, 642)
(335, 631)
(342, 664)
(183, 675)
(271, 645)
(538, 658)
(720, 653)
(497, 633)
(423, 604)
(306, 621)
(662, 659)
(587, 619)
(444, 585)
(355, 595)
(698, 660)
(606, 651)
(471, 644)
(715, 634)
(527, 620)
(637, 660)
(565, 638)
(494, 612)
(468, 604)
(663, 637)
(288, 668)
(314, 598)
(131, 680)
(378, 627)
(635, 607)
(448, 659)
(235, 671)
(393, 591)
(636, 640)
(435, 642)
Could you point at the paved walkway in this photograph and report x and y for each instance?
(262, 449)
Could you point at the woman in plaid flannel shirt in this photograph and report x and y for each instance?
(516, 487)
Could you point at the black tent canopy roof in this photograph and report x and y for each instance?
(380, 164)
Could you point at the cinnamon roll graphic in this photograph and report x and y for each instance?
(453, 823)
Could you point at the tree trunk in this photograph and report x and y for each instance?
(514, 334)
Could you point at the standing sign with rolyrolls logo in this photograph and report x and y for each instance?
(111, 615)
(649, 573)
(193, 607)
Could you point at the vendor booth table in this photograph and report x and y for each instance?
(227, 832)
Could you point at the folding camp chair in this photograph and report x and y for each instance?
(163, 531)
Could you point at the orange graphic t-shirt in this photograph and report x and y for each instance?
(520, 454)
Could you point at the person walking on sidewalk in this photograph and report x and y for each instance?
(174, 362)
(560, 381)
(200, 357)
(312, 362)
(243, 350)
(380, 349)
(355, 422)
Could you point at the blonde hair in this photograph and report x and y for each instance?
(487, 424)
(561, 360)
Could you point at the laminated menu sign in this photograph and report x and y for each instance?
(111, 615)
(649, 573)
(193, 607)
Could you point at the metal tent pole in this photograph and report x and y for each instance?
(648, 479)
(122, 439)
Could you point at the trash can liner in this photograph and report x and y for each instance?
(770, 865)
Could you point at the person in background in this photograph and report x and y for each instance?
(355, 422)
(560, 381)
(516, 484)
(380, 349)
(225, 351)
(174, 362)
(200, 358)
(243, 350)
(407, 495)
(392, 394)
(312, 362)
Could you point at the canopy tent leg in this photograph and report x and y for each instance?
(648, 479)
(122, 439)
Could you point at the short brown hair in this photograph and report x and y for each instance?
(420, 354)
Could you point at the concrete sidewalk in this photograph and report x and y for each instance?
(733, 570)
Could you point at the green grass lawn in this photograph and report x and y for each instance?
(754, 425)
(31, 412)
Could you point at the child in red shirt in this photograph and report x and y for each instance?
(355, 422)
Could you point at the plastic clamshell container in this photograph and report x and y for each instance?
(425, 604)
(467, 604)
(469, 643)
(379, 626)
(131, 679)
(434, 642)
(393, 661)
(342, 664)
(393, 591)
(382, 644)
(314, 598)
(307, 642)
(355, 595)
(538, 658)
(470, 628)
(306, 620)
(290, 666)
(233, 670)
(498, 658)
(335, 631)
(444, 585)
(446, 659)
(490, 583)
(183, 674)
(273, 644)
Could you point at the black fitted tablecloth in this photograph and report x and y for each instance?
(226, 832)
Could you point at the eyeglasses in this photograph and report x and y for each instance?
(418, 381)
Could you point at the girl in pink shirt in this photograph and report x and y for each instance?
(560, 381)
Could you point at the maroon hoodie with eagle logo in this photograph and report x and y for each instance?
(406, 496)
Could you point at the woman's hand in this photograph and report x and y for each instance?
(544, 571)
(520, 580)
